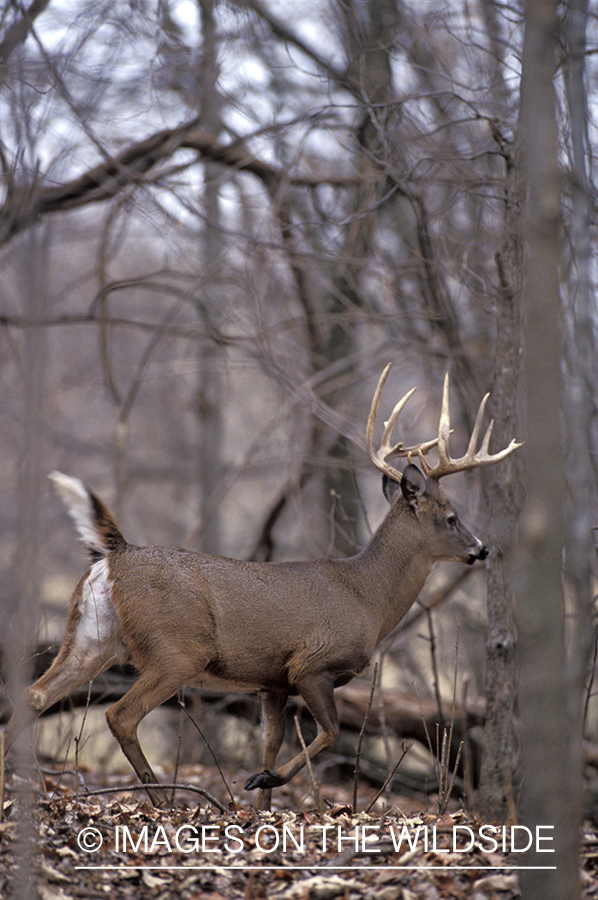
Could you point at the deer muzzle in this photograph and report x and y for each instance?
(479, 552)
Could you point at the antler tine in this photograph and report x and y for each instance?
(380, 457)
(369, 432)
(444, 426)
(473, 441)
(486, 441)
(472, 457)
(390, 424)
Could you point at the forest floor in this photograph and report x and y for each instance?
(71, 844)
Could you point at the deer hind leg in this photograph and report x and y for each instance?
(153, 687)
(64, 675)
(272, 706)
(92, 643)
(318, 693)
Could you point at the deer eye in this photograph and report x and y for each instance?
(451, 520)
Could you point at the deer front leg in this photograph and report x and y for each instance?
(318, 693)
(272, 706)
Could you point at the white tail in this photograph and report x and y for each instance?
(274, 629)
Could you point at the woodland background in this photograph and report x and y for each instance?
(219, 220)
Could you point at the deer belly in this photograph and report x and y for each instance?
(209, 682)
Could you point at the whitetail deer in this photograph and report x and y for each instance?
(272, 628)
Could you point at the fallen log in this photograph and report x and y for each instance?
(395, 713)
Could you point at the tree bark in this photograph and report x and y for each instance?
(580, 355)
(503, 497)
(210, 361)
(551, 746)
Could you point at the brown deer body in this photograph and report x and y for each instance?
(275, 629)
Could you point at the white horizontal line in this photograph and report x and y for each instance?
(318, 868)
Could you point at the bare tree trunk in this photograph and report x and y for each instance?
(580, 356)
(503, 497)
(209, 402)
(366, 32)
(551, 752)
(27, 578)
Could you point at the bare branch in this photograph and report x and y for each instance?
(18, 32)
(104, 181)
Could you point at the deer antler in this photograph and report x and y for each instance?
(379, 457)
(472, 458)
(446, 465)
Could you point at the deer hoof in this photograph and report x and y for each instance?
(265, 779)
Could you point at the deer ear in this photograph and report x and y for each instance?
(390, 488)
(413, 484)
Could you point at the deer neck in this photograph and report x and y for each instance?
(393, 568)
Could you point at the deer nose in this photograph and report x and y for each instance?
(481, 552)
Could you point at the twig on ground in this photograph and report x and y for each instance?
(406, 747)
(310, 771)
(207, 743)
(141, 787)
